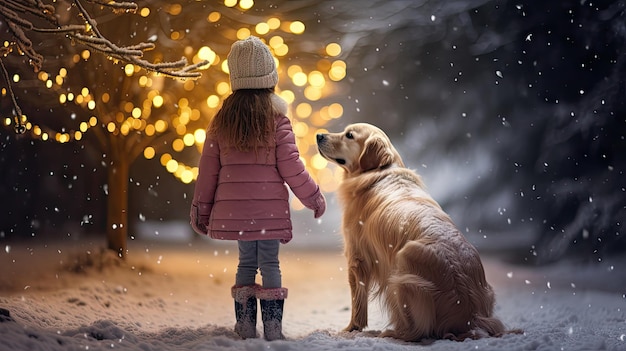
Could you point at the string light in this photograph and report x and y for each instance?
(310, 84)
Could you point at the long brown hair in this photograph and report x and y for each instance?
(246, 119)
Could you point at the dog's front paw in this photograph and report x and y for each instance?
(352, 327)
(389, 333)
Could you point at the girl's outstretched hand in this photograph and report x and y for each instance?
(320, 206)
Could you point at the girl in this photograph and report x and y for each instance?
(248, 156)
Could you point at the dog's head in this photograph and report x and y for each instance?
(361, 147)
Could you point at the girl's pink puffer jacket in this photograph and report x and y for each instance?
(242, 195)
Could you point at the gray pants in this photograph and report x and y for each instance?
(259, 255)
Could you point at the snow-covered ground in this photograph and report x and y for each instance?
(173, 295)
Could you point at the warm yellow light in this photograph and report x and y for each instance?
(70, 96)
(333, 49)
(288, 96)
(16, 78)
(157, 101)
(149, 131)
(313, 93)
(183, 118)
(293, 69)
(316, 78)
(214, 17)
(276, 41)
(225, 66)
(318, 162)
(335, 110)
(243, 33)
(189, 84)
(189, 139)
(300, 129)
(78, 135)
(337, 71)
(199, 136)
(165, 158)
(111, 127)
(230, 3)
(63, 72)
(304, 110)
(299, 79)
(186, 176)
(125, 128)
(138, 124)
(183, 102)
(129, 69)
(206, 53)
(213, 101)
(62, 98)
(171, 166)
(144, 12)
(136, 113)
(85, 54)
(339, 63)
(43, 76)
(281, 50)
(91, 105)
(222, 88)
(273, 23)
(149, 153)
(296, 27)
(105, 97)
(160, 126)
(246, 4)
(143, 81)
(93, 121)
(262, 28)
(181, 129)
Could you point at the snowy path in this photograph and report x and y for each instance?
(177, 297)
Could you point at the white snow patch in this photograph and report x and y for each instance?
(176, 296)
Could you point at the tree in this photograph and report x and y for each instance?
(18, 16)
(125, 113)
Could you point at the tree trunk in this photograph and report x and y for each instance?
(117, 203)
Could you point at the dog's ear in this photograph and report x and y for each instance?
(376, 153)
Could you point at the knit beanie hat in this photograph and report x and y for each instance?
(251, 65)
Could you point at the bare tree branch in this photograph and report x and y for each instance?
(20, 14)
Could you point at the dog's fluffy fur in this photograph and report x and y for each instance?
(402, 247)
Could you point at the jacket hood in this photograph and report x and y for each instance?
(279, 104)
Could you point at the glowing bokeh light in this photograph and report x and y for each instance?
(304, 86)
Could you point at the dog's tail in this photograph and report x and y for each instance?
(409, 297)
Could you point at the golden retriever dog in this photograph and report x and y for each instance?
(402, 247)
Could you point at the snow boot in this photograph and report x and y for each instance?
(245, 310)
(272, 303)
